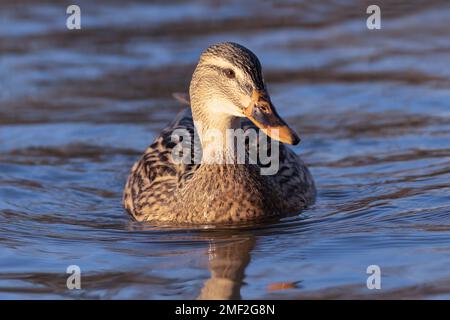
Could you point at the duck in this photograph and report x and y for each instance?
(179, 181)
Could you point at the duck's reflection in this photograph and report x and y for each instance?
(227, 263)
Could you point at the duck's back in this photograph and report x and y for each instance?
(155, 176)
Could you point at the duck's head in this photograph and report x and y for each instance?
(228, 84)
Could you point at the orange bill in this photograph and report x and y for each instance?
(262, 113)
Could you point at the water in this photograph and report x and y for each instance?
(77, 108)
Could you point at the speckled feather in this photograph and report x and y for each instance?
(159, 189)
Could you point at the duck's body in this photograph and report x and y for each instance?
(204, 190)
(159, 189)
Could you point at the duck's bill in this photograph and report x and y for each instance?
(263, 114)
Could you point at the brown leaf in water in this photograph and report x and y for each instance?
(277, 286)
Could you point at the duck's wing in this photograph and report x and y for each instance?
(159, 172)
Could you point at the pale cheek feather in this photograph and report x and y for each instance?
(221, 105)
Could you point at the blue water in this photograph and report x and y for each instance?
(77, 108)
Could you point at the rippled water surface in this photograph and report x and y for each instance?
(77, 108)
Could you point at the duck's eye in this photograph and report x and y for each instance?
(229, 73)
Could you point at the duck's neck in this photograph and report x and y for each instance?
(215, 130)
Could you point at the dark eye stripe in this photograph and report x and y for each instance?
(222, 70)
(247, 87)
(229, 73)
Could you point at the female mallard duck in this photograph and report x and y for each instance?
(227, 85)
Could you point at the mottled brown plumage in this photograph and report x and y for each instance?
(159, 189)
